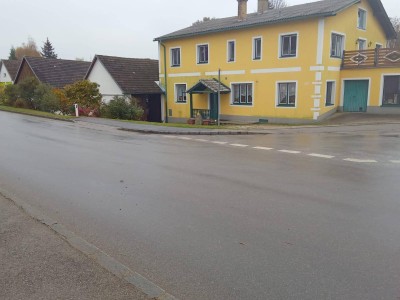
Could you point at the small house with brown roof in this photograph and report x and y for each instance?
(56, 72)
(8, 70)
(135, 77)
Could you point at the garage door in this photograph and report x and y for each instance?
(355, 95)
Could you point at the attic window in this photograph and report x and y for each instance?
(362, 19)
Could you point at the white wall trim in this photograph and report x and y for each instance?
(275, 70)
(334, 69)
(320, 41)
(317, 68)
(233, 72)
(184, 74)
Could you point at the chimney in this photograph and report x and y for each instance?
(242, 9)
(262, 6)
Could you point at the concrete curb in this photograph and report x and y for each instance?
(211, 132)
(140, 282)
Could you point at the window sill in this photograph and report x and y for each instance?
(242, 104)
(180, 102)
(202, 62)
(176, 66)
(329, 104)
(288, 56)
(286, 105)
(390, 105)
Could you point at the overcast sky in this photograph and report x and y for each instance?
(83, 28)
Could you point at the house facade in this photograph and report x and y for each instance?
(298, 63)
(133, 77)
(8, 70)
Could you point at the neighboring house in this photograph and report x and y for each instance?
(56, 72)
(8, 70)
(300, 63)
(135, 77)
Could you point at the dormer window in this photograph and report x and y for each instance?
(362, 19)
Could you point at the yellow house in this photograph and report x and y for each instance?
(293, 64)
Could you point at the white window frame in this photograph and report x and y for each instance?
(333, 93)
(280, 48)
(277, 105)
(228, 51)
(253, 53)
(365, 43)
(198, 54)
(232, 94)
(358, 18)
(180, 57)
(176, 93)
(343, 44)
(380, 44)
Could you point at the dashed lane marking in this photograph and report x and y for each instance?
(289, 151)
(220, 143)
(321, 155)
(263, 148)
(360, 160)
(201, 140)
(170, 136)
(239, 145)
(395, 161)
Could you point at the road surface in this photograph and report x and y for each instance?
(295, 215)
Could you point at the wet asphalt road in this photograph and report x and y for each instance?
(215, 221)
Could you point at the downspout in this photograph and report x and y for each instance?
(165, 81)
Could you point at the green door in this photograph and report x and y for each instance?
(355, 95)
(214, 106)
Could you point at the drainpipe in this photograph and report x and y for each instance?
(165, 81)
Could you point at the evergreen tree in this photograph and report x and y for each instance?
(48, 50)
(12, 55)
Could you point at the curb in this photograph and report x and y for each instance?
(140, 282)
(150, 131)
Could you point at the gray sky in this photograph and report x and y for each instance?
(83, 28)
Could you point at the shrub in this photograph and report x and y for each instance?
(66, 105)
(122, 108)
(85, 93)
(44, 99)
(20, 103)
(26, 89)
(11, 94)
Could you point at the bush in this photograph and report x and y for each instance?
(85, 93)
(20, 103)
(26, 89)
(44, 99)
(11, 94)
(66, 105)
(122, 108)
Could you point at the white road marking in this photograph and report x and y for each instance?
(360, 160)
(395, 161)
(239, 145)
(262, 148)
(320, 155)
(201, 140)
(170, 136)
(220, 143)
(289, 151)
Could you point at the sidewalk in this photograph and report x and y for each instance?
(36, 263)
(339, 119)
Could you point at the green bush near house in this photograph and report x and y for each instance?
(123, 108)
(45, 99)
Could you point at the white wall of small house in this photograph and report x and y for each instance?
(4, 75)
(108, 87)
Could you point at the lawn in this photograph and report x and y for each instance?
(36, 113)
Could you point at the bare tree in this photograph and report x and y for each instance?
(28, 49)
(205, 19)
(396, 25)
(276, 4)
